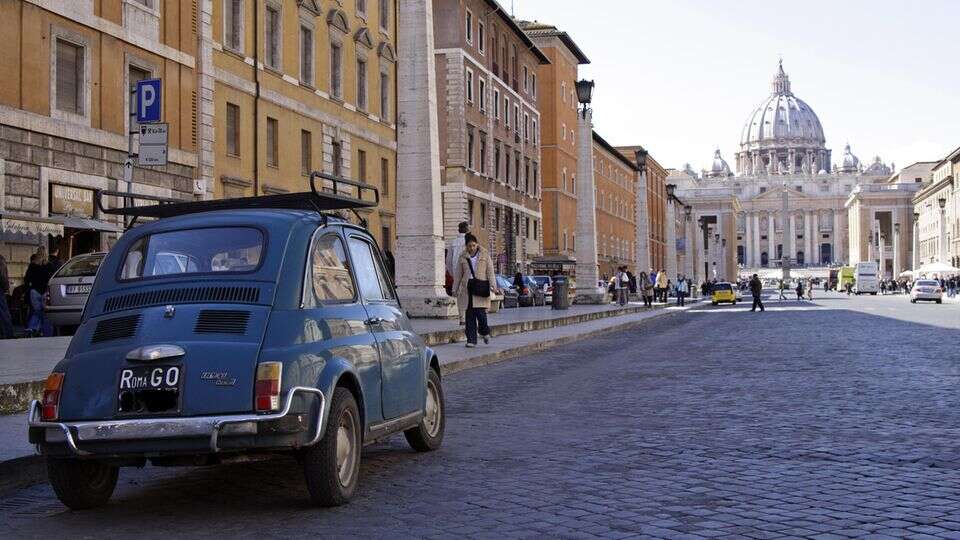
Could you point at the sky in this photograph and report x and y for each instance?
(681, 77)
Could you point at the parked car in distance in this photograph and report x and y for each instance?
(723, 292)
(510, 296)
(69, 288)
(546, 285)
(926, 289)
(532, 295)
(233, 328)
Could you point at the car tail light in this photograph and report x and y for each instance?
(267, 387)
(50, 404)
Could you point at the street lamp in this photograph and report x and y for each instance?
(671, 188)
(584, 94)
(943, 229)
(915, 259)
(943, 202)
(896, 251)
(688, 210)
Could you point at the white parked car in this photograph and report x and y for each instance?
(926, 289)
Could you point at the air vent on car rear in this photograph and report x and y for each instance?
(233, 295)
(116, 328)
(221, 321)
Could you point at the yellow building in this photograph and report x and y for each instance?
(322, 98)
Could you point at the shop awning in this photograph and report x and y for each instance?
(90, 224)
(30, 225)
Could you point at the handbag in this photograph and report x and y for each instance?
(477, 287)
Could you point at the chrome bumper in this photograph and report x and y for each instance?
(170, 428)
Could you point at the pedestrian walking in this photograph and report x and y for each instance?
(621, 285)
(474, 280)
(756, 290)
(782, 287)
(799, 290)
(682, 288)
(6, 321)
(810, 291)
(36, 279)
(453, 250)
(661, 286)
(646, 289)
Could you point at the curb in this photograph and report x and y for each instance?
(21, 472)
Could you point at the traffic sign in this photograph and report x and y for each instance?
(152, 155)
(148, 100)
(153, 134)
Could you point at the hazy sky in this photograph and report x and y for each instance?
(681, 76)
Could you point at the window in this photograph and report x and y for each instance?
(526, 226)
(483, 154)
(526, 126)
(525, 76)
(362, 7)
(564, 177)
(233, 25)
(370, 275)
(496, 160)
(384, 14)
(563, 131)
(470, 211)
(536, 229)
(69, 77)
(506, 111)
(469, 82)
(306, 152)
(533, 84)
(384, 177)
(336, 71)
(329, 276)
(272, 37)
(483, 94)
(361, 84)
(536, 181)
(496, 103)
(483, 215)
(306, 55)
(470, 150)
(337, 151)
(194, 251)
(481, 37)
(272, 142)
(563, 91)
(516, 117)
(469, 27)
(386, 238)
(362, 166)
(535, 130)
(233, 129)
(384, 96)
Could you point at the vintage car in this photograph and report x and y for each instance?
(235, 327)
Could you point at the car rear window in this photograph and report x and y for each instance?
(722, 287)
(194, 251)
(80, 267)
(928, 283)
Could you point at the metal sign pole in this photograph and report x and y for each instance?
(128, 164)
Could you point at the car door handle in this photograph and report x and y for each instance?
(373, 321)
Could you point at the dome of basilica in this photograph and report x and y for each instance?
(719, 168)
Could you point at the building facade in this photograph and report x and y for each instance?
(937, 223)
(615, 180)
(64, 116)
(557, 101)
(657, 213)
(489, 127)
(782, 155)
(300, 86)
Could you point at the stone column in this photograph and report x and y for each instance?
(809, 257)
(586, 246)
(748, 237)
(915, 255)
(835, 238)
(792, 246)
(420, 260)
(882, 258)
(671, 240)
(896, 250)
(756, 239)
(689, 238)
(771, 238)
(642, 216)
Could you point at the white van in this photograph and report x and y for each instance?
(865, 274)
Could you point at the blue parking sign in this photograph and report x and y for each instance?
(148, 100)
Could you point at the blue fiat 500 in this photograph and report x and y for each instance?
(232, 327)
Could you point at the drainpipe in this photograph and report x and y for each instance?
(256, 98)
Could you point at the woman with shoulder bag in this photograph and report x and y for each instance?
(473, 283)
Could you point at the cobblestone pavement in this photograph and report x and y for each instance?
(829, 419)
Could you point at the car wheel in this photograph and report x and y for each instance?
(82, 484)
(913, 300)
(939, 301)
(332, 466)
(428, 435)
(714, 303)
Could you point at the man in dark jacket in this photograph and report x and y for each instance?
(756, 289)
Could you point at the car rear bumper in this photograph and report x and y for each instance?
(927, 296)
(64, 315)
(153, 435)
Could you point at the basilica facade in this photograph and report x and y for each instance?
(786, 198)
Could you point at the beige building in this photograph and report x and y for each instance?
(615, 181)
(937, 224)
(489, 128)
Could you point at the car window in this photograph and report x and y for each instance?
(80, 267)
(329, 278)
(927, 283)
(723, 287)
(192, 251)
(370, 276)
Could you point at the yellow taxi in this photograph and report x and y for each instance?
(723, 292)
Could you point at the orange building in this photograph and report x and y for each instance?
(657, 208)
(557, 102)
(615, 180)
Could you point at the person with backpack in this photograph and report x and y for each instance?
(682, 288)
(474, 281)
(621, 285)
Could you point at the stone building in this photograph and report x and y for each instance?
(615, 180)
(489, 127)
(782, 151)
(557, 101)
(938, 228)
(67, 68)
(651, 220)
(321, 98)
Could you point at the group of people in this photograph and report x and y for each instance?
(651, 286)
(804, 289)
(35, 283)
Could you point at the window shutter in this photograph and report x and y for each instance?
(69, 69)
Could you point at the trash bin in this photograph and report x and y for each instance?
(561, 293)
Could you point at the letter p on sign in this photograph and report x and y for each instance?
(148, 100)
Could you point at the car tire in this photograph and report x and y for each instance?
(913, 300)
(939, 301)
(332, 466)
(714, 303)
(428, 435)
(82, 484)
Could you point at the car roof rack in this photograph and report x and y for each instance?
(331, 194)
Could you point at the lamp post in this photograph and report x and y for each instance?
(670, 253)
(882, 262)
(723, 259)
(585, 248)
(688, 240)
(702, 249)
(943, 229)
(716, 248)
(641, 211)
(896, 251)
(915, 253)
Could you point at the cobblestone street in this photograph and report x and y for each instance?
(830, 419)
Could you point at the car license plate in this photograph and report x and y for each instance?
(79, 289)
(149, 389)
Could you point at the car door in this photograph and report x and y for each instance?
(401, 364)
